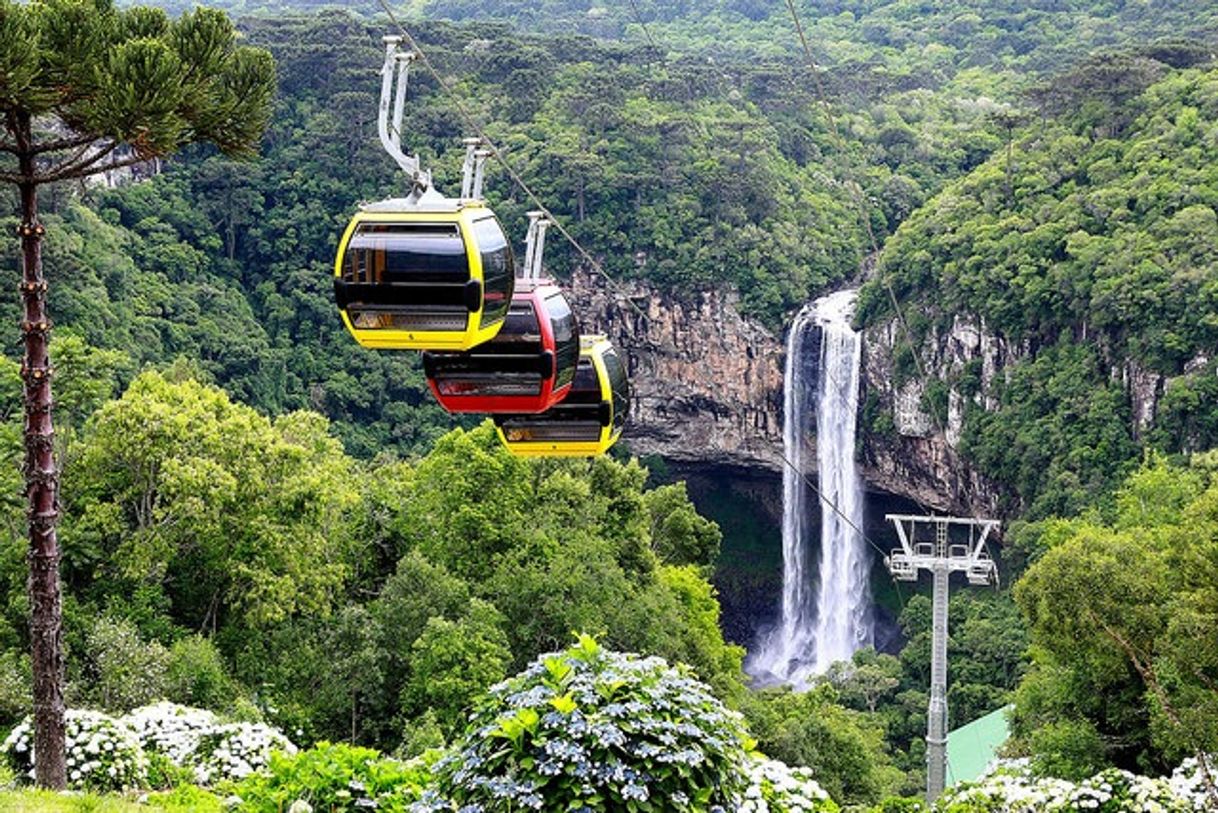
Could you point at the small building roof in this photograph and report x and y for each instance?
(974, 745)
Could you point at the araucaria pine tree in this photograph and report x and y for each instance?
(86, 88)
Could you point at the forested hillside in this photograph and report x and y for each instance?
(265, 521)
(1090, 245)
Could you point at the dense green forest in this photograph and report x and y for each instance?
(1089, 244)
(264, 521)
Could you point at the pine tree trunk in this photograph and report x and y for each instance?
(42, 490)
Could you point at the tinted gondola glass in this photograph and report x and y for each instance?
(526, 368)
(587, 422)
(416, 279)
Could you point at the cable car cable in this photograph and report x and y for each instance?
(596, 266)
(850, 403)
(472, 123)
(639, 19)
(864, 215)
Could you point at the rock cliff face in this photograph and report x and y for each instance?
(706, 383)
(707, 390)
(707, 387)
(916, 455)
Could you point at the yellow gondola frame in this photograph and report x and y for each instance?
(464, 215)
(594, 349)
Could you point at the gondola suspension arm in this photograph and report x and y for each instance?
(474, 167)
(397, 62)
(534, 246)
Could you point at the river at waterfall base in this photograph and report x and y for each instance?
(828, 618)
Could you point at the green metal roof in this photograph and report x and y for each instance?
(972, 746)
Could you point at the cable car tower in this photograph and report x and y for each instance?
(934, 549)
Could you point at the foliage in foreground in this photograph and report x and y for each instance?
(1011, 788)
(352, 599)
(596, 730)
(102, 753)
(183, 799)
(155, 745)
(334, 777)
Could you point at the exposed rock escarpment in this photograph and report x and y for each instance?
(707, 390)
(706, 382)
(916, 454)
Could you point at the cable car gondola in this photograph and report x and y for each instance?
(418, 276)
(529, 365)
(527, 368)
(585, 423)
(423, 271)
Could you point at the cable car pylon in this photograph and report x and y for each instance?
(941, 557)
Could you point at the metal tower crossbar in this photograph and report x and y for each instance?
(941, 555)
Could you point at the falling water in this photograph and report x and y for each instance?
(830, 623)
(843, 617)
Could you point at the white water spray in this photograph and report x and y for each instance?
(830, 623)
(843, 605)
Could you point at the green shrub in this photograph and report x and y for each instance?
(589, 729)
(334, 778)
(15, 684)
(1067, 749)
(122, 671)
(195, 676)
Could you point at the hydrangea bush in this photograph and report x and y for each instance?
(236, 750)
(592, 730)
(1009, 787)
(103, 754)
(172, 730)
(775, 787)
(1188, 783)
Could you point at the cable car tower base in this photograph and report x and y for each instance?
(934, 549)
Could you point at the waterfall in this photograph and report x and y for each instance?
(843, 604)
(830, 623)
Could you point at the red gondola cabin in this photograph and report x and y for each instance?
(526, 369)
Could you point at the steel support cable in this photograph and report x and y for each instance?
(473, 124)
(634, 6)
(820, 495)
(850, 403)
(864, 214)
(519, 181)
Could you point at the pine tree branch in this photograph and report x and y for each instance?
(81, 152)
(94, 170)
(7, 147)
(79, 165)
(11, 177)
(64, 144)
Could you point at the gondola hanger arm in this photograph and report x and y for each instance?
(534, 246)
(393, 98)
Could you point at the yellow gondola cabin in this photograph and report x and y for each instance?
(585, 423)
(424, 276)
